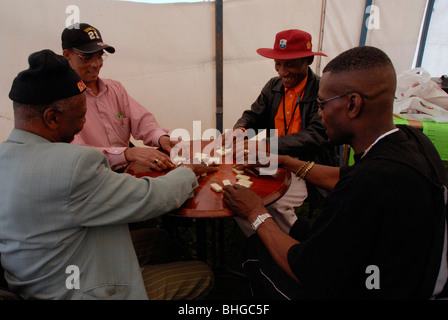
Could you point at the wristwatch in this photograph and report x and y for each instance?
(259, 220)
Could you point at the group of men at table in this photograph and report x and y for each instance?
(381, 232)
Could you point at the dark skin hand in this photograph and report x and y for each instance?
(247, 205)
(200, 169)
(146, 156)
(322, 176)
(243, 202)
(166, 143)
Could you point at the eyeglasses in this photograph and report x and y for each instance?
(89, 58)
(321, 103)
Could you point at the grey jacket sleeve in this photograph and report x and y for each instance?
(99, 196)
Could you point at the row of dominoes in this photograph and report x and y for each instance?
(198, 158)
(223, 151)
(243, 180)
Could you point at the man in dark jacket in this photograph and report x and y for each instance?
(382, 230)
(287, 104)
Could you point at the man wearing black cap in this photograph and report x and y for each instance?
(112, 115)
(287, 103)
(64, 214)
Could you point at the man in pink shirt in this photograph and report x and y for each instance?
(112, 115)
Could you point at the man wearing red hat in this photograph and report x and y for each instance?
(287, 103)
(381, 233)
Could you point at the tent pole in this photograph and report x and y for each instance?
(219, 63)
(364, 30)
(321, 35)
(421, 48)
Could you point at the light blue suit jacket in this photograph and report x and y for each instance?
(61, 206)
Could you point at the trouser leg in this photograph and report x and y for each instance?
(164, 278)
(181, 280)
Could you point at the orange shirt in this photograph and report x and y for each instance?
(293, 121)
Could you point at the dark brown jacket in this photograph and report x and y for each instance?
(311, 143)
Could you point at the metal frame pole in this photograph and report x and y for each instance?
(219, 64)
(421, 48)
(364, 30)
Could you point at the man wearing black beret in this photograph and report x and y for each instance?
(64, 215)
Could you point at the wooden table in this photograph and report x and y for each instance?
(207, 203)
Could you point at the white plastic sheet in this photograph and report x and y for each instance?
(420, 98)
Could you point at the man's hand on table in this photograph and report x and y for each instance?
(181, 149)
(149, 157)
(228, 139)
(252, 151)
(243, 202)
(261, 160)
(166, 143)
(200, 169)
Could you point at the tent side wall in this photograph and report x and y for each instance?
(165, 54)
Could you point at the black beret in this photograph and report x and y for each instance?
(49, 78)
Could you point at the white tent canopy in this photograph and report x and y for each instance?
(165, 53)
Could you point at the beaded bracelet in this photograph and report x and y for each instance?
(302, 176)
(300, 169)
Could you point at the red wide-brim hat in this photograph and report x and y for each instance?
(290, 44)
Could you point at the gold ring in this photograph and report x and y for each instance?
(246, 152)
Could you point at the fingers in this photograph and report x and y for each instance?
(241, 200)
(159, 161)
(212, 168)
(161, 164)
(182, 148)
(253, 171)
(230, 191)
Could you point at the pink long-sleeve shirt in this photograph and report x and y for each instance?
(112, 117)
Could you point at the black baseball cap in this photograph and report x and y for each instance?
(84, 38)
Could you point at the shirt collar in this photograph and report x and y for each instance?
(22, 136)
(298, 89)
(102, 87)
